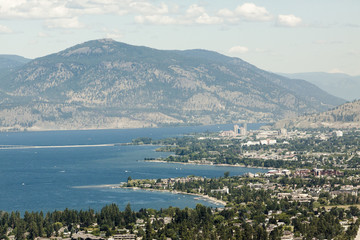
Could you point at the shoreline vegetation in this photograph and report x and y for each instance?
(208, 164)
(274, 206)
(199, 196)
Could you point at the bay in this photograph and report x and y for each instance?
(40, 169)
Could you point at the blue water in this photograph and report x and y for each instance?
(44, 178)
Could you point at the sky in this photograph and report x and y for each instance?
(286, 36)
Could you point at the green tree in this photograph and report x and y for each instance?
(48, 229)
(57, 227)
(148, 230)
(33, 231)
(20, 230)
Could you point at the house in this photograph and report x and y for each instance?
(225, 190)
(124, 237)
(85, 236)
(302, 172)
(287, 235)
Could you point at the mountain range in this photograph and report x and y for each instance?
(338, 84)
(108, 84)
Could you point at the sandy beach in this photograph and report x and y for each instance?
(205, 197)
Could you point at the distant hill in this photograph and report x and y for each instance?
(109, 84)
(11, 62)
(337, 84)
(343, 116)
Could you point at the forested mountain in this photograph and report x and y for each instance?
(108, 84)
(344, 116)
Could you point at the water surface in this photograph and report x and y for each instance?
(42, 175)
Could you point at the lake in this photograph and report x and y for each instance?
(40, 169)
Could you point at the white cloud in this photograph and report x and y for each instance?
(206, 19)
(63, 23)
(194, 14)
(32, 9)
(5, 29)
(195, 11)
(251, 12)
(238, 49)
(45, 9)
(148, 8)
(65, 13)
(155, 19)
(226, 13)
(289, 20)
(197, 14)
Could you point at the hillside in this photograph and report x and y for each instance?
(12, 61)
(108, 84)
(9, 63)
(344, 116)
(337, 84)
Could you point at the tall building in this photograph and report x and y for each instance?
(236, 129)
(283, 132)
(244, 129)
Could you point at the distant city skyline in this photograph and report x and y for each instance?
(278, 36)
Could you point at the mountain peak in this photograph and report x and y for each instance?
(96, 47)
(106, 40)
(108, 84)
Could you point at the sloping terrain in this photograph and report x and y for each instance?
(12, 61)
(108, 84)
(9, 63)
(344, 116)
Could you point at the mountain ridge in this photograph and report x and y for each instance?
(338, 84)
(344, 116)
(108, 84)
(11, 61)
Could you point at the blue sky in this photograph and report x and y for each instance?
(276, 35)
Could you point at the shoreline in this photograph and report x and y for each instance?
(204, 197)
(40, 129)
(99, 186)
(220, 165)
